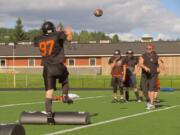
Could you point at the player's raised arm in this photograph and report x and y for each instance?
(69, 34)
(112, 62)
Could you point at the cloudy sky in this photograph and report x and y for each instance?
(131, 19)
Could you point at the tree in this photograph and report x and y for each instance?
(84, 37)
(6, 35)
(31, 34)
(19, 34)
(115, 38)
(97, 36)
(75, 36)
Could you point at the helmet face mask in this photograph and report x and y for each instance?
(129, 53)
(48, 27)
(117, 53)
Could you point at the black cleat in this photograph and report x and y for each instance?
(114, 100)
(122, 100)
(157, 100)
(50, 118)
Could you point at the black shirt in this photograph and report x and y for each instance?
(150, 61)
(130, 64)
(51, 47)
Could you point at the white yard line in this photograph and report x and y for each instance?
(41, 102)
(109, 121)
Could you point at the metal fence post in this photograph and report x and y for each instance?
(104, 83)
(82, 83)
(171, 83)
(7, 80)
(26, 80)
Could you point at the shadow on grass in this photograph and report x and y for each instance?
(161, 105)
(162, 100)
(94, 114)
(123, 108)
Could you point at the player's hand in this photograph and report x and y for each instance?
(68, 32)
(147, 69)
(134, 73)
(117, 58)
(59, 29)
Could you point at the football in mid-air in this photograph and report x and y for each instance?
(98, 12)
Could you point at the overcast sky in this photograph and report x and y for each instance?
(131, 19)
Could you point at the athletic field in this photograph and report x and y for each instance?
(78, 81)
(107, 118)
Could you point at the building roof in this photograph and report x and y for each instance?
(161, 47)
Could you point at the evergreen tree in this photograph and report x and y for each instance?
(31, 34)
(75, 36)
(19, 34)
(115, 38)
(84, 37)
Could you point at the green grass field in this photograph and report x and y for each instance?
(36, 81)
(111, 119)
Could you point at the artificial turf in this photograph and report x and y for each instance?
(163, 122)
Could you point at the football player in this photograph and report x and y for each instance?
(118, 73)
(51, 46)
(131, 70)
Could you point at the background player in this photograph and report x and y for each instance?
(118, 73)
(51, 45)
(131, 70)
(149, 62)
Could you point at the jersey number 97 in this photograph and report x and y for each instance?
(46, 47)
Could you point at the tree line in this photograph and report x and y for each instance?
(18, 34)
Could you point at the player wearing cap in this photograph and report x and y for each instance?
(118, 75)
(131, 70)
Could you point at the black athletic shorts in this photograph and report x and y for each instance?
(130, 81)
(149, 82)
(116, 82)
(52, 72)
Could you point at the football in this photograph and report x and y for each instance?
(98, 12)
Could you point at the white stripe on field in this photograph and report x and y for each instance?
(32, 103)
(109, 121)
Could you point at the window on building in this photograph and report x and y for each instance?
(2, 62)
(71, 62)
(31, 62)
(92, 61)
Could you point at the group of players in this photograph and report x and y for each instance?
(125, 69)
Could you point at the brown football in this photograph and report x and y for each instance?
(98, 12)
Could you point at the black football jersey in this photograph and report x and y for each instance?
(151, 61)
(51, 47)
(131, 62)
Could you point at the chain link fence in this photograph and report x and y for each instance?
(97, 82)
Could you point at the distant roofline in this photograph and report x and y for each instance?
(106, 55)
(136, 41)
